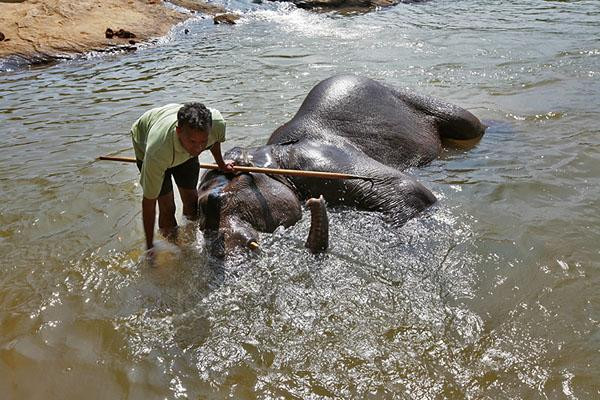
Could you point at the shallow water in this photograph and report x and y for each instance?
(492, 293)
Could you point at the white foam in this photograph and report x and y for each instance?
(309, 24)
(165, 253)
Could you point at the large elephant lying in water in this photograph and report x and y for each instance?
(346, 124)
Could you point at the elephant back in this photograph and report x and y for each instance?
(372, 116)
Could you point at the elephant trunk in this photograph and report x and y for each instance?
(318, 237)
(233, 234)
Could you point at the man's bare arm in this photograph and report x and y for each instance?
(216, 152)
(149, 216)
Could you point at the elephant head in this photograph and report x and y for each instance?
(233, 208)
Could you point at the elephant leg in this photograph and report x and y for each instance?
(454, 124)
(397, 195)
(318, 237)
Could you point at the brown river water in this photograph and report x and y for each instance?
(493, 293)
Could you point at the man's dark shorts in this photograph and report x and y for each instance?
(186, 175)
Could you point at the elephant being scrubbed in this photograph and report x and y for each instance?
(346, 124)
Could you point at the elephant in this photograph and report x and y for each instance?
(348, 124)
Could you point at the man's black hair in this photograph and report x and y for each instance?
(195, 116)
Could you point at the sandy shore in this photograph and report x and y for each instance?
(38, 31)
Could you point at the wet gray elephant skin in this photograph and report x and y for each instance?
(346, 124)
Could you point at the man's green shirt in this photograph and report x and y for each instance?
(157, 145)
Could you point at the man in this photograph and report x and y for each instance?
(167, 141)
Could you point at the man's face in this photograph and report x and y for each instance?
(193, 140)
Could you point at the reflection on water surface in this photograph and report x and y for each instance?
(492, 293)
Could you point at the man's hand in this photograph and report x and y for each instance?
(227, 166)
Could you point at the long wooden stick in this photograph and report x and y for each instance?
(275, 171)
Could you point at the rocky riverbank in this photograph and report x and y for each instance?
(39, 31)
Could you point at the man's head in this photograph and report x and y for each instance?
(194, 122)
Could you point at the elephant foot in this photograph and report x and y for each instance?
(465, 144)
(318, 237)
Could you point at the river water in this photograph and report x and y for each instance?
(492, 293)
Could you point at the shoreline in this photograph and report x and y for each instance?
(43, 31)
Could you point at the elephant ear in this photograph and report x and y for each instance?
(392, 192)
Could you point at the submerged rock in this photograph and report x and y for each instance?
(346, 5)
(200, 6)
(226, 19)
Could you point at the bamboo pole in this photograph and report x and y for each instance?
(275, 171)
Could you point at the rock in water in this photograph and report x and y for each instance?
(225, 19)
(346, 5)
